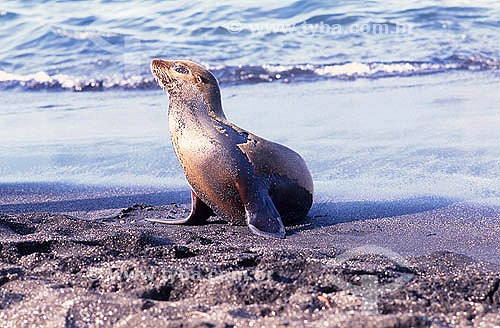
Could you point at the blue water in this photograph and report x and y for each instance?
(91, 45)
(375, 115)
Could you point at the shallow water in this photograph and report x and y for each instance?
(376, 115)
(363, 140)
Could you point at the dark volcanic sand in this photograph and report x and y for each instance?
(112, 268)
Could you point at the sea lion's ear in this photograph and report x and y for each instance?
(201, 79)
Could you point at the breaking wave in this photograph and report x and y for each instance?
(247, 74)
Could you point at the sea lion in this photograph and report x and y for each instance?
(232, 172)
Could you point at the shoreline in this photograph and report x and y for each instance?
(412, 226)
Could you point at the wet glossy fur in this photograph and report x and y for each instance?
(238, 175)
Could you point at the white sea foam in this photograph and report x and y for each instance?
(344, 69)
(250, 74)
(63, 81)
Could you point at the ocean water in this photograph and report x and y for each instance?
(384, 99)
(108, 44)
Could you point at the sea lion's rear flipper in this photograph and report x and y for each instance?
(200, 212)
(262, 216)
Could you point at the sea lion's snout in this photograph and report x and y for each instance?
(160, 69)
(171, 74)
(158, 64)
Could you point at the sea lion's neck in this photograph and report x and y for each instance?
(183, 106)
(195, 103)
(213, 99)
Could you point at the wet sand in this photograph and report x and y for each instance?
(80, 256)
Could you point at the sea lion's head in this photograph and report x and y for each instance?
(181, 77)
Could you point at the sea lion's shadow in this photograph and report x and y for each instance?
(327, 214)
(322, 214)
(94, 203)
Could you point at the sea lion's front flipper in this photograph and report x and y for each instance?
(200, 212)
(262, 216)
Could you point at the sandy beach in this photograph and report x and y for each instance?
(393, 105)
(79, 256)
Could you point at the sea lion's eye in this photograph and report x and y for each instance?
(181, 69)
